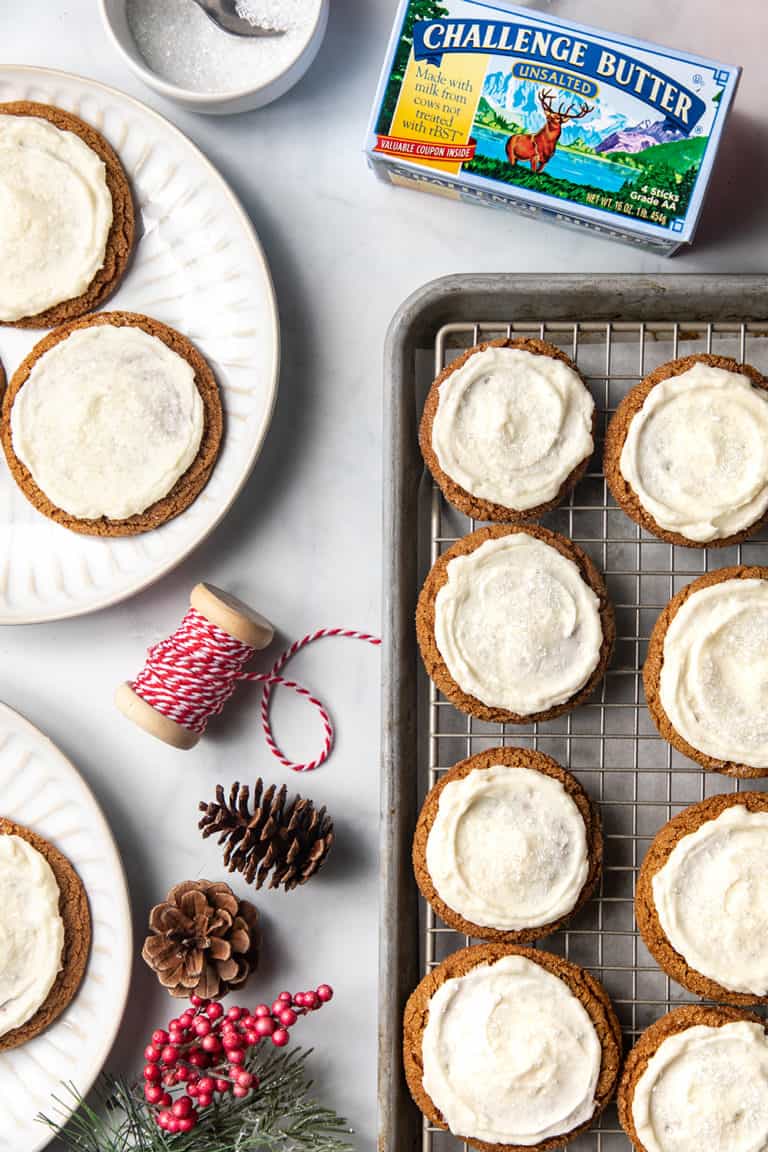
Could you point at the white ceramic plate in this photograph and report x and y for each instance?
(197, 266)
(42, 790)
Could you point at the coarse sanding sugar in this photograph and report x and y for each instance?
(180, 44)
(271, 14)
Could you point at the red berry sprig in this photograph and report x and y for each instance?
(201, 1054)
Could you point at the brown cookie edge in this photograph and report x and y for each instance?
(186, 489)
(678, 1020)
(436, 667)
(616, 434)
(655, 659)
(648, 923)
(512, 758)
(75, 913)
(454, 493)
(588, 990)
(120, 238)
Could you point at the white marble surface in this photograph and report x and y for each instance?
(303, 541)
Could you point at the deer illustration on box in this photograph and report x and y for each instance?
(539, 147)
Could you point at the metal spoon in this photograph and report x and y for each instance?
(223, 13)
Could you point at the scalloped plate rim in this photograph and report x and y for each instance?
(147, 581)
(14, 719)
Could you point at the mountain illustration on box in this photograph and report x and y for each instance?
(644, 135)
(585, 151)
(604, 131)
(518, 100)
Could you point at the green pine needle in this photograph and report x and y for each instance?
(279, 1116)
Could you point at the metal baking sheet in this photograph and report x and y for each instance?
(617, 328)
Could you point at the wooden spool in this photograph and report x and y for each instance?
(226, 612)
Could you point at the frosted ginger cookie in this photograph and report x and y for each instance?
(706, 672)
(511, 1047)
(514, 624)
(702, 898)
(112, 424)
(507, 846)
(508, 429)
(686, 453)
(45, 928)
(697, 1079)
(66, 223)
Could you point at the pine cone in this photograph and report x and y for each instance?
(291, 841)
(203, 940)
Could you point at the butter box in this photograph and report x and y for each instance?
(511, 107)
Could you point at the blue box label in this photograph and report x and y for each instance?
(571, 120)
(679, 106)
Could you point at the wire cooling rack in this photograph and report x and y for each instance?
(610, 743)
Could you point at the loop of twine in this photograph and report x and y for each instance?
(189, 677)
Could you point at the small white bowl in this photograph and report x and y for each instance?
(113, 13)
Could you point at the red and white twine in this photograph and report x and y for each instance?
(189, 677)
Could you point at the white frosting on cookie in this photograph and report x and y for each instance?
(705, 1090)
(55, 215)
(512, 425)
(696, 454)
(510, 1055)
(711, 897)
(107, 421)
(517, 625)
(714, 677)
(508, 848)
(31, 932)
